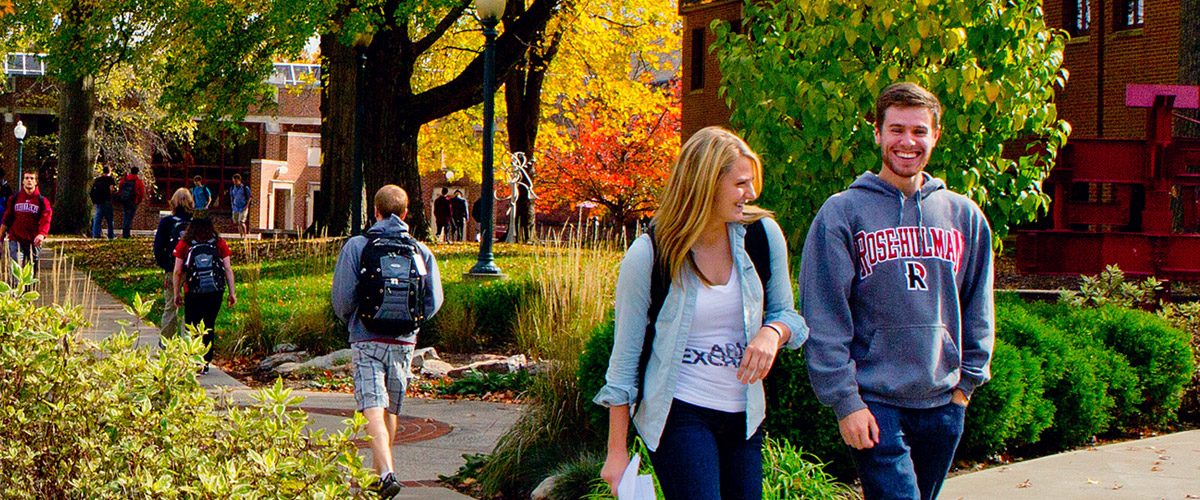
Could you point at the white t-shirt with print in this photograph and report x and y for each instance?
(716, 343)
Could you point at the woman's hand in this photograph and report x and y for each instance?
(759, 356)
(614, 468)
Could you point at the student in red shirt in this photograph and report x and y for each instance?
(26, 221)
(202, 273)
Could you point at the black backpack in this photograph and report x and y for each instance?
(391, 285)
(178, 226)
(99, 192)
(204, 270)
(126, 193)
(757, 247)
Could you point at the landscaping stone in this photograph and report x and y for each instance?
(423, 354)
(337, 363)
(502, 365)
(284, 347)
(541, 366)
(436, 368)
(476, 358)
(542, 492)
(286, 369)
(275, 360)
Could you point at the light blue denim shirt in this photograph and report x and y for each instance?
(675, 321)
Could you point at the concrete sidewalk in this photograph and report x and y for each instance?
(1163, 467)
(473, 426)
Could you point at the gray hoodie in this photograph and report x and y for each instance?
(897, 293)
(345, 279)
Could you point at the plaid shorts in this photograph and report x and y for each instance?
(381, 374)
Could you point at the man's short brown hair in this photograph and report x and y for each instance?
(391, 200)
(907, 95)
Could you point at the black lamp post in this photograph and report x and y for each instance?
(356, 175)
(489, 14)
(19, 133)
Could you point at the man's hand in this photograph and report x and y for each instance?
(178, 299)
(232, 298)
(759, 356)
(859, 429)
(614, 467)
(959, 398)
(37, 240)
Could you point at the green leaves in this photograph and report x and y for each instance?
(803, 79)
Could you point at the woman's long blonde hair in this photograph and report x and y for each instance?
(691, 188)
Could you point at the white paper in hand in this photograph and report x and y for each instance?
(633, 486)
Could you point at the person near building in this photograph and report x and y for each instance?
(441, 215)
(458, 215)
(166, 238)
(697, 328)
(896, 284)
(383, 343)
(200, 193)
(202, 274)
(26, 221)
(101, 193)
(6, 192)
(239, 202)
(130, 194)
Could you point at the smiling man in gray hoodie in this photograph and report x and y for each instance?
(896, 286)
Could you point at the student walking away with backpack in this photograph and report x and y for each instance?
(101, 193)
(26, 221)
(239, 201)
(458, 214)
(200, 193)
(896, 283)
(385, 286)
(708, 293)
(130, 194)
(202, 275)
(166, 238)
(6, 192)
(441, 215)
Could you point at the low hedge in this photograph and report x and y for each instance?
(1060, 375)
(477, 316)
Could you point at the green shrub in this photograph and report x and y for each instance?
(476, 316)
(1010, 410)
(593, 365)
(576, 476)
(484, 383)
(790, 473)
(110, 421)
(794, 415)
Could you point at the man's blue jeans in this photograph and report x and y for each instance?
(704, 455)
(130, 210)
(104, 211)
(914, 452)
(24, 253)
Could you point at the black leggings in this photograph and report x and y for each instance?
(204, 307)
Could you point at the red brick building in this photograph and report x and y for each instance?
(1114, 43)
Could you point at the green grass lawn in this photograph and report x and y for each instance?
(282, 286)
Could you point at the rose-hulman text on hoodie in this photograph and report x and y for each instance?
(27, 215)
(897, 292)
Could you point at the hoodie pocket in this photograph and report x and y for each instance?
(910, 362)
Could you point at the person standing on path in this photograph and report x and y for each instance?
(26, 221)
(239, 201)
(101, 193)
(441, 215)
(383, 349)
(166, 238)
(458, 214)
(200, 193)
(202, 274)
(715, 330)
(896, 284)
(130, 194)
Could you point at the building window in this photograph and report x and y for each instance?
(25, 64)
(1077, 16)
(698, 50)
(1129, 14)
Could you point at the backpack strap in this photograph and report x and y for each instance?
(759, 250)
(660, 284)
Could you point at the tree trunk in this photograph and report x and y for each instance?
(76, 134)
(332, 211)
(1189, 62)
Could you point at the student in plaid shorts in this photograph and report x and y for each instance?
(382, 359)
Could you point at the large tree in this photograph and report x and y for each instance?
(403, 95)
(803, 78)
(207, 59)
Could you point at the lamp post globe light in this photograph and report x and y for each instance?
(361, 42)
(489, 14)
(19, 133)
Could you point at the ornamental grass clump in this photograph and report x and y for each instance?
(109, 421)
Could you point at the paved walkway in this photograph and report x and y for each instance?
(473, 426)
(1165, 467)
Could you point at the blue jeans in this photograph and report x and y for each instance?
(24, 253)
(104, 211)
(704, 455)
(914, 452)
(129, 210)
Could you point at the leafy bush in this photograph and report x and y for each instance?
(1010, 409)
(109, 421)
(476, 316)
(790, 473)
(593, 365)
(795, 415)
(484, 383)
(1110, 288)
